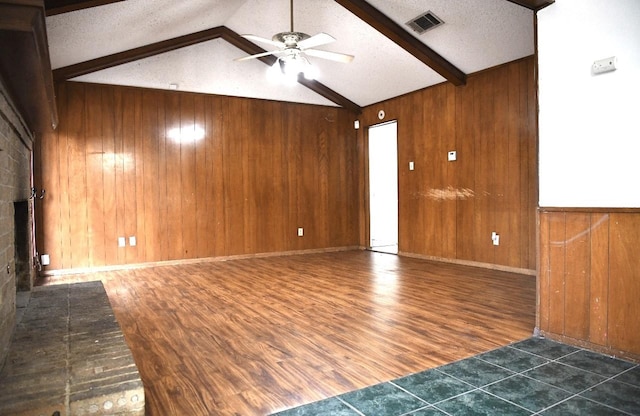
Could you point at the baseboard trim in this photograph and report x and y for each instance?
(489, 266)
(84, 270)
(625, 355)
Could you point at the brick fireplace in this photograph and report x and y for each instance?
(16, 143)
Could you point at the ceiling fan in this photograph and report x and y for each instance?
(293, 46)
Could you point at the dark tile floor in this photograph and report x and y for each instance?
(532, 377)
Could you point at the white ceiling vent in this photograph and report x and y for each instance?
(426, 21)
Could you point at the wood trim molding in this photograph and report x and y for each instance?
(66, 272)
(53, 7)
(24, 62)
(534, 5)
(104, 62)
(379, 21)
(489, 266)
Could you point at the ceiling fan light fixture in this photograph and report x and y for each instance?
(288, 68)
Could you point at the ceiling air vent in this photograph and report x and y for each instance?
(424, 22)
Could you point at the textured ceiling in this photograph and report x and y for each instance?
(476, 35)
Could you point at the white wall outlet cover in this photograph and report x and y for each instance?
(411, 166)
(604, 65)
(356, 124)
(122, 242)
(300, 232)
(132, 241)
(45, 260)
(452, 155)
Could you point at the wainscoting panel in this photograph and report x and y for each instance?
(589, 277)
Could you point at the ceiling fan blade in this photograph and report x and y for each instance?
(332, 56)
(264, 40)
(258, 55)
(316, 40)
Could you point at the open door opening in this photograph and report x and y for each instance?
(383, 187)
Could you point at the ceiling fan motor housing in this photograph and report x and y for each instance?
(290, 38)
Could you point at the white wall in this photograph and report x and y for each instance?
(589, 125)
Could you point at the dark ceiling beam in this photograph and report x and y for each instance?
(379, 21)
(108, 61)
(534, 5)
(53, 7)
(104, 62)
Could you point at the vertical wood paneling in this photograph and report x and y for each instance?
(503, 202)
(544, 275)
(127, 164)
(624, 282)
(216, 111)
(557, 256)
(151, 184)
(139, 230)
(450, 173)
(577, 275)
(77, 179)
(162, 184)
(449, 209)
(516, 240)
(201, 197)
(109, 177)
(95, 183)
(234, 181)
(431, 162)
(591, 291)
(466, 146)
(187, 163)
(599, 281)
(173, 195)
(119, 164)
(409, 113)
(485, 168)
(49, 230)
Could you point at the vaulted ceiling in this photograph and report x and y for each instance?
(194, 43)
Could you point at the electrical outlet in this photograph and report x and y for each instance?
(604, 65)
(45, 260)
(122, 242)
(132, 241)
(300, 232)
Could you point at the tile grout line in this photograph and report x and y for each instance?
(348, 405)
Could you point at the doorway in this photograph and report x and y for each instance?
(383, 187)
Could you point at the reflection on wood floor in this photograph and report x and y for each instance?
(254, 336)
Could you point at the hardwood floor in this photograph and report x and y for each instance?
(254, 336)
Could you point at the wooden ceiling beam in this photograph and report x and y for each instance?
(124, 57)
(534, 5)
(104, 62)
(53, 7)
(379, 21)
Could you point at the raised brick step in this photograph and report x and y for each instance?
(69, 355)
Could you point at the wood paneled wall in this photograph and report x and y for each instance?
(449, 209)
(192, 176)
(589, 277)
